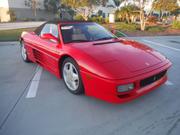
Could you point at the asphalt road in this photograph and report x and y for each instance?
(18, 25)
(52, 110)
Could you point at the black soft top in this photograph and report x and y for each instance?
(38, 29)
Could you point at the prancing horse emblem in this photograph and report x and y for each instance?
(147, 64)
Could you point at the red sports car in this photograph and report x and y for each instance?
(92, 60)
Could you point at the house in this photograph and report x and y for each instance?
(22, 10)
(110, 8)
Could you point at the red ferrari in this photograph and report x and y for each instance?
(92, 60)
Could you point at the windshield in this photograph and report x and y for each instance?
(84, 32)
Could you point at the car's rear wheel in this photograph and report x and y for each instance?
(24, 52)
(71, 76)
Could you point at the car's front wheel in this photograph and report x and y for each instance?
(71, 76)
(24, 52)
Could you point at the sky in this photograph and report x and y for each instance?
(4, 3)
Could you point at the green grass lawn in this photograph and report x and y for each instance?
(12, 35)
(122, 28)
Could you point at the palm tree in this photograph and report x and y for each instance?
(83, 7)
(165, 6)
(32, 4)
(34, 7)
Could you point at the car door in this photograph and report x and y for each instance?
(46, 52)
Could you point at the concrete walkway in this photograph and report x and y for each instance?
(17, 25)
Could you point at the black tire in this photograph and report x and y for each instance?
(25, 57)
(80, 88)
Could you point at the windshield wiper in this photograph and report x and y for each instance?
(105, 38)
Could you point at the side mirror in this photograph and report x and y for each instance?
(50, 37)
(118, 33)
(113, 31)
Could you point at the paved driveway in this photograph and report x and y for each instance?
(52, 110)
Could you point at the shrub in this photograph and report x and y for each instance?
(152, 19)
(176, 25)
(41, 19)
(125, 27)
(106, 20)
(25, 19)
(78, 18)
(155, 29)
(98, 19)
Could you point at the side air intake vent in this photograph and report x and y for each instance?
(37, 55)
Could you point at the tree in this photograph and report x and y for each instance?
(134, 14)
(126, 2)
(65, 12)
(83, 7)
(124, 14)
(176, 12)
(165, 6)
(142, 14)
(33, 4)
(51, 5)
(141, 6)
(128, 13)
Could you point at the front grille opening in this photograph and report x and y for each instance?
(152, 79)
(124, 96)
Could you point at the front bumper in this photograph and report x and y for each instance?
(106, 89)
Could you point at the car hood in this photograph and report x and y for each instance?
(120, 57)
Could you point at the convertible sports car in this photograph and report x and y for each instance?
(92, 60)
